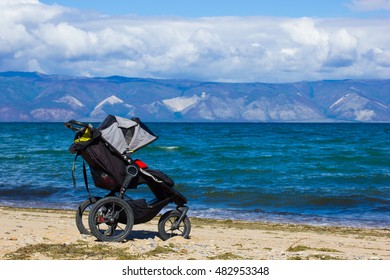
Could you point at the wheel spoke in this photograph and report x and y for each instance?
(169, 220)
(120, 227)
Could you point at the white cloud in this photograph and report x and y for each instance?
(59, 40)
(304, 31)
(342, 49)
(369, 5)
(379, 57)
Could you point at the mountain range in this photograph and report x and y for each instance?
(31, 96)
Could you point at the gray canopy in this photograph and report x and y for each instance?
(126, 135)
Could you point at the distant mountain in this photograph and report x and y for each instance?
(37, 97)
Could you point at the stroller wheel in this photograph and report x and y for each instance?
(168, 225)
(82, 214)
(111, 219)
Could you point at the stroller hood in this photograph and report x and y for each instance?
(125, 135)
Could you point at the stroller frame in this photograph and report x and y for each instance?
(112, 217)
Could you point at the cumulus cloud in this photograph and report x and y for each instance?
(342, 49)
(59, 40)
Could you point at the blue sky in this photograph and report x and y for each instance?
(214, 40)
(202, 8)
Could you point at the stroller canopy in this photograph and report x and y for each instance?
(125, 135)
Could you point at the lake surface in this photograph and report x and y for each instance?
(323, 174)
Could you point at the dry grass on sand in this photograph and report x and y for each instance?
(36, 234)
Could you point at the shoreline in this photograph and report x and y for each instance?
(331, 222)
(43, 233)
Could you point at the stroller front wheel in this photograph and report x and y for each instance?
(111, 219)
(168, 225)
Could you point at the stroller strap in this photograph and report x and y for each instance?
(84, 174)
(73, 169)
(151, 176)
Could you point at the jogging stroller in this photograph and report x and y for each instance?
(108, 151)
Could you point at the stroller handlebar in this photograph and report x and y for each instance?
(76, 125)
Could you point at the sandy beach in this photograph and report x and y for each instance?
(37, 234)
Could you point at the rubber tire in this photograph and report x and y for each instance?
(170, 217)
(81, 226)
(124, 209)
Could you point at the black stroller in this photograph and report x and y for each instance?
(107, 149)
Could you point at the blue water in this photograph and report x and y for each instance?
(322, 174)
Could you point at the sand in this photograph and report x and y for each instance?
(37, 234)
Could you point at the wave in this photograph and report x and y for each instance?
(168, 148)
(291, 217)
(13, 157)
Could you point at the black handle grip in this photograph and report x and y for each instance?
(76, 125)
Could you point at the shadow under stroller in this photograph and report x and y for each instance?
(107, 150)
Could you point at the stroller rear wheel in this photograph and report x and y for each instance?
(82, 214)
(169, 226)
(111, 219)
